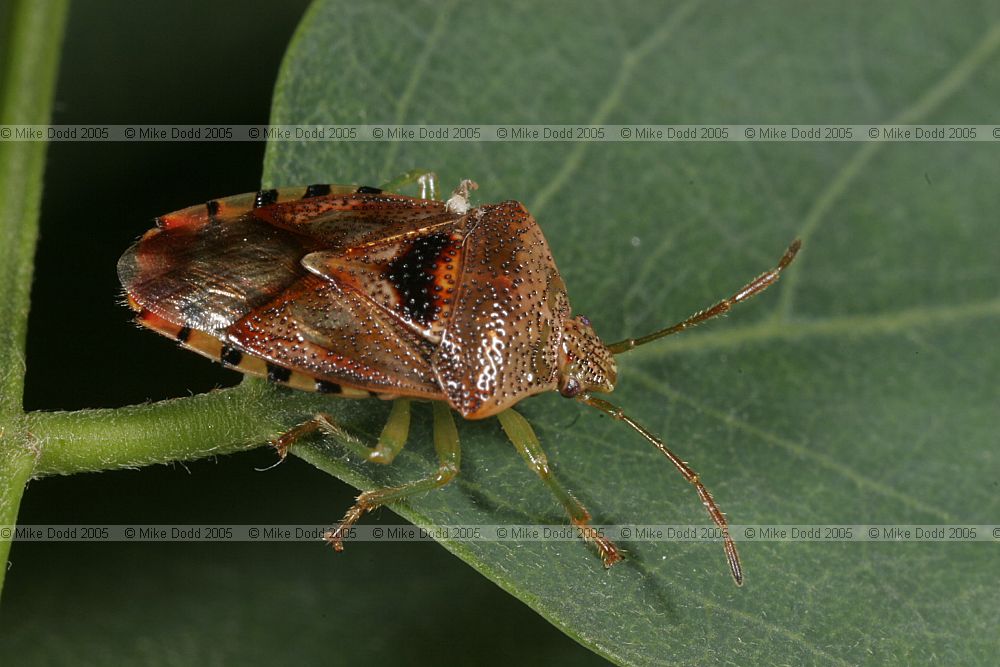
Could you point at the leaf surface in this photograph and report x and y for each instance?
(860, 390)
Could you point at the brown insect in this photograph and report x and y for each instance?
(358, 292)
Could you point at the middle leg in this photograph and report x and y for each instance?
(449, 458)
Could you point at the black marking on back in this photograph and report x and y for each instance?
(212, 207)
(184, 334)
(317, 190)
(230, 356)
(326, 387)
(369, 190)
(265, 197)
(412, 276)
(277, 373)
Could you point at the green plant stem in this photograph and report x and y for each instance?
(31, 58)
(26, 91)
(220, 422)
(180, 429)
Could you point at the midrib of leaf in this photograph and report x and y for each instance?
(33, 41)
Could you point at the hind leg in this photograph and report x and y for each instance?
(390, 442)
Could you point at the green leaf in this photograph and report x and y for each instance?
(862, 389)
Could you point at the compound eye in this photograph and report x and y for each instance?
(571, 388)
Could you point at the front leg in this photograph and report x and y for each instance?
(427, 180)
(526, 442)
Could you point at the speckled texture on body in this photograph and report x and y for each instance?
(501, 344)
(351, 290)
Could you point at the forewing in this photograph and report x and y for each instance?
(358, 221)
(412, 277)
(234, 268)
(500, 344)
(337, 336)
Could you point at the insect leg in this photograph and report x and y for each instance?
(449, 457)
(390, 442)
(752, 288)
(427, 180)
(526, 442)
(613, 411)
(318, 422)
(394, 433)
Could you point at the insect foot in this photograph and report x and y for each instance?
(606, 549)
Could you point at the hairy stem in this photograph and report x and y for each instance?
(180, 429)
(31, 44)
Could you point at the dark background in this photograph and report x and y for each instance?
(176, 603)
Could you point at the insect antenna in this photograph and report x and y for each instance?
(754, 287)
(690, 475)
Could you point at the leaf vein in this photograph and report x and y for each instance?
(630, 60)
(792, 447)
(938, 93)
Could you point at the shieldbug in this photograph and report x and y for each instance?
(359, 292)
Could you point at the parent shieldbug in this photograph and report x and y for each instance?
(359, 292)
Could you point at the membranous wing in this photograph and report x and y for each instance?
(205, 267)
